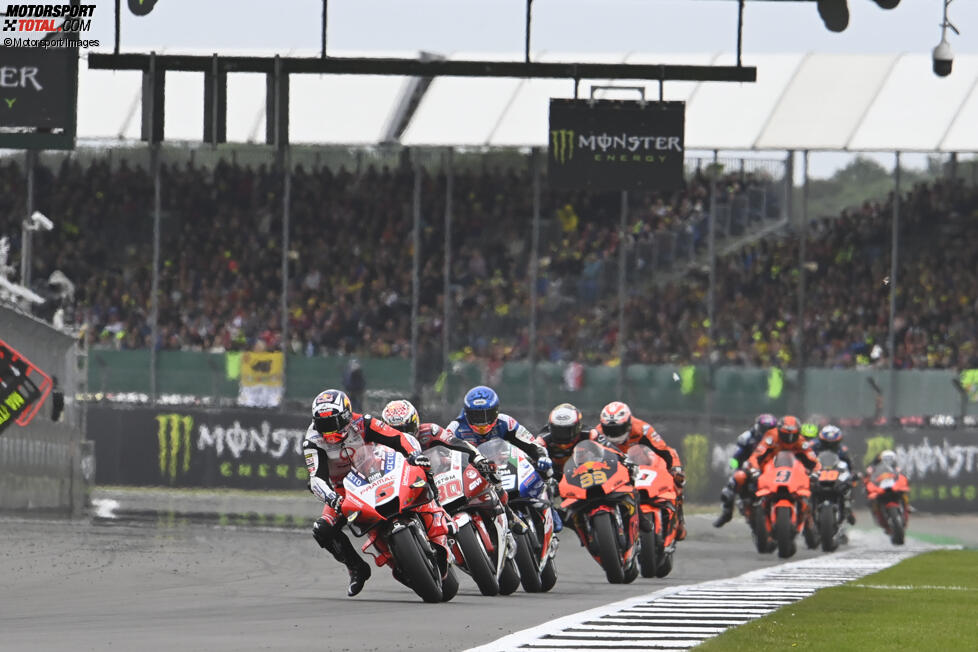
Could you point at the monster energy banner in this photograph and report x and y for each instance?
(616, 145)
(194, 447)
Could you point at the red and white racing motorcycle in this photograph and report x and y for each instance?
(385, 500)
(483, 546)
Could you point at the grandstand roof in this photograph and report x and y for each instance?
(800, 101)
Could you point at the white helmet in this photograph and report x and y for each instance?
(401, 415)
(888, 457)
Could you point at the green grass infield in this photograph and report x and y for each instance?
(927, 602)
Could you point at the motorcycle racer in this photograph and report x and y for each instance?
(563, 430)
(329, 446)
(480, 420)
(737, 483)
(624, 431)
(830, 439)
(786, 437)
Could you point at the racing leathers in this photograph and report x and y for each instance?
(329, 463)
(770, 445)
(559, 453)
(643, 433)
(842, 451)
(510, 430)
(737, 483)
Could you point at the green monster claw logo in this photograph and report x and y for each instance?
(875, 446)
(562, 145)
(173, 432)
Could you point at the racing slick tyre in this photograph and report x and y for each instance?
(895, 517)
(762, 539)
(607, 540)
(527, 563)
(826, 527)
(476, 560)
(449, 585)
(548, 576)
(784, 532)
(420, 572)
(665, 560)
(509, 579)
(647, 560)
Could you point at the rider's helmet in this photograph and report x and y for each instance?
(331, 415)
(765, 422)
(565, 425)
(401, 415)
(616, 422)
(809, 430)
(481, 409)
(788, 429)
(831, 437)
(888, 458)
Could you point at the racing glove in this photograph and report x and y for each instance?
(678, 475)
(632, 468)
(420, 460)
(321, 489)
(545, 466)
(486, 467)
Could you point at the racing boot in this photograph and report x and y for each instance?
(516, 523)
(359, 574)
(726, 511)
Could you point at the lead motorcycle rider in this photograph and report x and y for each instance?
(480, 420)
(329, 446)
(738, 484)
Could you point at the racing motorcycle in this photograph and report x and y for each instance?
(599, 499)
(657, 503)
(831, 487)
(781, 507)
(383, 494)
(888, 491)
(483, 545)
(528, 497)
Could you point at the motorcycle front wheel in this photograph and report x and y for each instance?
(827, 527)
(420, 572)
(606, 537)
(476, 560)
(784, 532)
(895, 516)
(647, 561)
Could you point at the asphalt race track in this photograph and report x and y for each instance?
(171, 583)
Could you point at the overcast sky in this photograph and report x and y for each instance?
(403, 27)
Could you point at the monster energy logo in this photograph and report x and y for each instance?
(562, 144)
(173, 432)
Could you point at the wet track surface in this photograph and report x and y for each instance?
(166, 581)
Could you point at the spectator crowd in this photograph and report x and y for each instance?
(350, 261)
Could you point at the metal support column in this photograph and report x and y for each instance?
(534, 264)
(154, 319)
(712, 292)
(894, 260)
(30, 162)
(622, 227)
(415, 282)
(446, 342)
(286, 167)
(800, 325)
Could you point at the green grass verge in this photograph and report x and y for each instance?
(928, 602)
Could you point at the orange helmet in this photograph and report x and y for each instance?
(616, 421)
(789, 429)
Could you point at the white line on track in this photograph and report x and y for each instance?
(681, 617)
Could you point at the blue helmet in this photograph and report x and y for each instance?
(481, 409)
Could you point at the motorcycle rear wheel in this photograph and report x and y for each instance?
(895, 516)
(527, 563)
(827, 527)
(476, 560)
(647, 559)
(509, 579)
(607, 540)
(784, 532)
(414, 565)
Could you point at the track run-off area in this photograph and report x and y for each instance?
(170, 580)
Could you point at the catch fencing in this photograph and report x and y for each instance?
(45, 465)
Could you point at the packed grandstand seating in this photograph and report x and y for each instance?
(350, 270)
